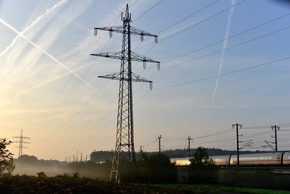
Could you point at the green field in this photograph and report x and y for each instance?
(218, 189)
(76, 184)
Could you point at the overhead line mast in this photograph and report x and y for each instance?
(125, 127)
(21, 142)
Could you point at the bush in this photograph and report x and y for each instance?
(259, 178)
(156, 168)
(202, 169)
(41, 175)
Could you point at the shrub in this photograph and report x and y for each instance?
(156, 168)
(41, 175)
(202, 168)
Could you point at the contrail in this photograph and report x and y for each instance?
(46, 53)
(45, 82)
(37, 20)
(225, 44)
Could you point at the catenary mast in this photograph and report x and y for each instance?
(125, 125)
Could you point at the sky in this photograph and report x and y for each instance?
(222, 62)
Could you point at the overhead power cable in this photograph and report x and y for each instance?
(55, 108)
(228, 48)
(230, 37)
(185, 18)
(212, 77)
(195, 24)
(223, 74)
(148, 10)
(217, 42)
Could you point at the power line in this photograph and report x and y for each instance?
(230, 37)
(148, 10)
(214, 43)
(212, 16)
(223, 74)
(228, 48)
(148, 92)
(53, 111)
(192, 14)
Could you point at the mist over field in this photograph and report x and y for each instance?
(30, 165)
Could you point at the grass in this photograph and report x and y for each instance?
(76, 184)
(217, 189)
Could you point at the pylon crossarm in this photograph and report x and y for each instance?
(114, 76)
(113, 55)
(117, 76)
(142, 33)
(134, 57)
(121, 29)
(138, 78)
(141, 58)
(111, 29)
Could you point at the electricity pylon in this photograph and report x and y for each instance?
(125, 128)
(21, 142)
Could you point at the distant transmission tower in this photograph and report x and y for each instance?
(125, 128)
(21, 142)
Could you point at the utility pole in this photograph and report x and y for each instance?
(125, 127)
(275, 128)
(159, 140)
(21, 142)
(189, 140)
(237, 126)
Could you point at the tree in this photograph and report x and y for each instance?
(201, 158)
(6, 158)
(158, 168)
(155, 168)
(202, 168)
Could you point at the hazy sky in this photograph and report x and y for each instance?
(222, 62)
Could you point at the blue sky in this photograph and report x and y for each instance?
(222, 62)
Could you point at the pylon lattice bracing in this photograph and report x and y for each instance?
(125, 125)
(21, 142)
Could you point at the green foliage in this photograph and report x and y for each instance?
(259, 178)
(27, 159)
(156, 168)
(41, 175)
(202, 188)
(90, 169)
(202, 168)
(6, 158)
(68, 184)
(201, 159)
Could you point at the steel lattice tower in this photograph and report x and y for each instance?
(21, 142)
(125, 125)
